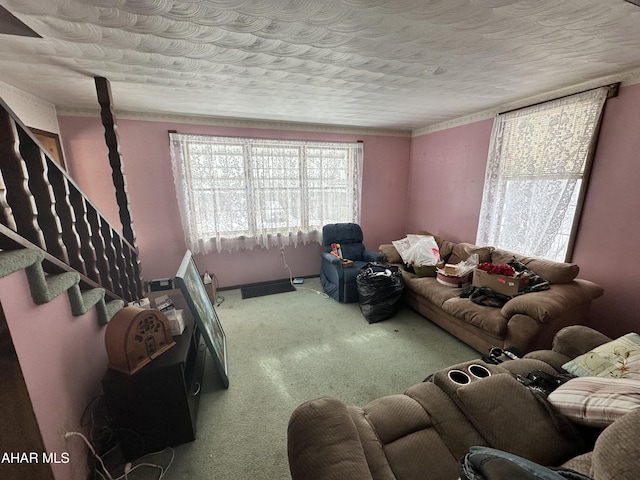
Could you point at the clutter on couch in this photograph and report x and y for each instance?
(428, 431)
(527, 319)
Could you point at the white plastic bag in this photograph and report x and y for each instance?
(423, 250)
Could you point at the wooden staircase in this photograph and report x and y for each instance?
(45, 287)
(52, 231)
(43, 209)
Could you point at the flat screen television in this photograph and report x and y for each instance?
(190, 283)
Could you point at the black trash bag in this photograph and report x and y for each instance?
(380, 290)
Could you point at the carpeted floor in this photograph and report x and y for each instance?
(285, 349)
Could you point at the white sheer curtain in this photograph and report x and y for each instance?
(244, 192)
(538, 157)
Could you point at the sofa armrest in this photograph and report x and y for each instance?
(548, 304)
(371, 256)
(390, 253)
(576, 340)
(327, 257)
(323, 443)
(509, 416)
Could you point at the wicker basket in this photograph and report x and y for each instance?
(425, 270)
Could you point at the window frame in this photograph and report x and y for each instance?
(501, 169)
(262, 190)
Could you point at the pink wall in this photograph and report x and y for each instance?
(446, 177)
(445, 191)
(439, 189)
(607, 243)
(144, 147)
(62, 359)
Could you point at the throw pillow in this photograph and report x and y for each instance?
(553, 272)
(462, 251)
(618, 358)
(390, 253)
(594, 401)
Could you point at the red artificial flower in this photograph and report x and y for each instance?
(503, 269)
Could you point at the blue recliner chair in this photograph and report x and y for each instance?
(339, 282)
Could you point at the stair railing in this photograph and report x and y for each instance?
(41, 207)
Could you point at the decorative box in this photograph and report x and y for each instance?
(455, 281)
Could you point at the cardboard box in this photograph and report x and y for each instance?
(498, 283)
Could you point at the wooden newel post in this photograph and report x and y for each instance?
(103, 88)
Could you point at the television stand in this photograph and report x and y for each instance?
(157, 407)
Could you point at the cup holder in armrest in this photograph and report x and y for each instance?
(459, 377)
(464, 374)
(478, 371)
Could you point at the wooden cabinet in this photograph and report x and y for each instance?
(157, 406)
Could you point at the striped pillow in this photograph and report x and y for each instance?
(596, 401)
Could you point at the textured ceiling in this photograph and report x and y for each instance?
(392, 64)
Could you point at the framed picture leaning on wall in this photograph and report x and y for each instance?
(190, 283)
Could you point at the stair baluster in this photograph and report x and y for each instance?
(122, 266)
(87, 250)
(66, 214)
(97, 240)
(110, 252)
(16, 183)
(38, 165)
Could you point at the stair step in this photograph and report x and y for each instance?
(111, 308)
(45, 287)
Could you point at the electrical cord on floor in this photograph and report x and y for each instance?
(102, 439)
(297, 286)
(93, 452)
(219, 298)
(129, 467)
(163, 471)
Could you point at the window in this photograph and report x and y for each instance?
(243, 192)
(537, 171)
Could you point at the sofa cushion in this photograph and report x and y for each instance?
(429, 288)
(485, 318)
(554, 272)
(462, 251)
(595, 401)
(397, 430)
(390, 253)
(615, 455)
(617, 358)
(510, 418)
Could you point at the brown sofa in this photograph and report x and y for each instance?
(526, 322)
(424, 432)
